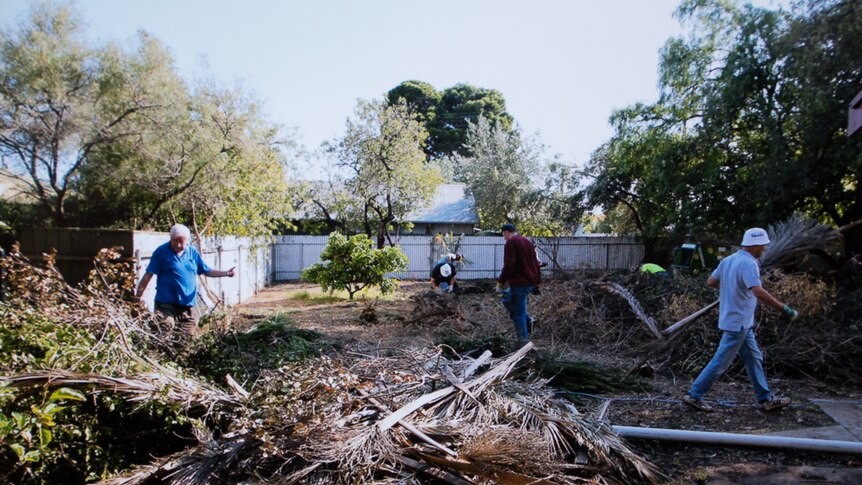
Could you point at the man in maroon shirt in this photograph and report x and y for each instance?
(521, 274)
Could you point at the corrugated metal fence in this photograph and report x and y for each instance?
(483, 255)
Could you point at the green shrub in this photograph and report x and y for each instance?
(29, 341)
(352, 264)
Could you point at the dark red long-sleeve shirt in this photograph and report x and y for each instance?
(520, 265)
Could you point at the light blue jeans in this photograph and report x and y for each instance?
(515, 301)
(732, 343)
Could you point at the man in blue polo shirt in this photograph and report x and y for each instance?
(177, 265)
(737, 279)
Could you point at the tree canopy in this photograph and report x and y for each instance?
(104, 136)
(447, 114)
(61, 99)
(750, 126)
(498, 172)
(386, 174)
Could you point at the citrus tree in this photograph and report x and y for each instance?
(353, 264)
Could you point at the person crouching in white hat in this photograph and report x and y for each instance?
(443, 274)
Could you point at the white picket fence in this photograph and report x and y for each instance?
(483, 255)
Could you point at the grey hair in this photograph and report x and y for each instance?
(181, 230)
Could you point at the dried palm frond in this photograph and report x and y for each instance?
(634, 304)
(189, 392)
(356, 452)
(519, 449)
(532, 406)
(211, 462)
(794, 237)
(524, 407)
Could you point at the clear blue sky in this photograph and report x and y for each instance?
(562, 65)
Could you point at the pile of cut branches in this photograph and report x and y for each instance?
(408, 417)
(631, 314)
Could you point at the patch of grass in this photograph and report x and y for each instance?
(269, 344)
(316, 295)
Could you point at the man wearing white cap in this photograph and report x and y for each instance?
(737, 279)
(443, 274)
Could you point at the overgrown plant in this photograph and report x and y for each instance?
(60, 343)
(270, 344)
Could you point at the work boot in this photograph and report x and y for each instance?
(774, 403)
(697, 403)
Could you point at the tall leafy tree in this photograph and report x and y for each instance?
(217, 164)
(60, 100)
(109, 137)
(750, 126)
(498, 172)
(387, 173)
(555, 206)
(448, 113)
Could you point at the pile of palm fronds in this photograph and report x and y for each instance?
(795, 237)
(408, 419)
(625, 315)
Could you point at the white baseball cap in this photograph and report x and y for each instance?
(755, 237)
(445, 270)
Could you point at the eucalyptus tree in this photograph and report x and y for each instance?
(750, 125)
(104, 136)
(212, 161)
(499, 171)
(387, 173)
(60, 100)
(554, 205)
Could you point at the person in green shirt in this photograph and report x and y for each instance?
(654, 269)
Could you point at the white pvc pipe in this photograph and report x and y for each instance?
(713, 438)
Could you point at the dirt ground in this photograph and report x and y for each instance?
(374, 327)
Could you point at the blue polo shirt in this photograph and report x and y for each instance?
(737, 274)
(176, 280)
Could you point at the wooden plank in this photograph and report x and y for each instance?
(669, 331)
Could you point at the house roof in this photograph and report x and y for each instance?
(450, 205)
